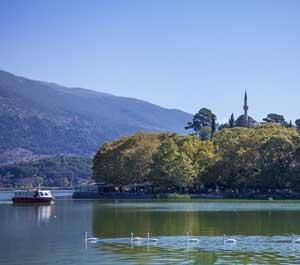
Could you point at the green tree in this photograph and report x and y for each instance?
(127, 160)
(231, 121)
(202, 124)
(297, 122)
(234, 159)
(240, 155)
(199, 152)
(275, 118)
(275, 161)
(223, 126)
(264, 157)
(213, 125)
(295, 168)
(171, 168)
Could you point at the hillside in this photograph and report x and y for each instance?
(53, 171)
(44, 119)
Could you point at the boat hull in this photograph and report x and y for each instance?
(31, 200)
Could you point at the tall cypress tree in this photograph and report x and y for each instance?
(213, 125)
(297, 122)
(231, 121)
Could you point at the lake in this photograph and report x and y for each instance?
(54, 234)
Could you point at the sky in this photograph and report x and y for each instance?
(173, 53)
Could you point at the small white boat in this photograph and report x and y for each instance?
(32, 196)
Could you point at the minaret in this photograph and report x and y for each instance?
(246, 105)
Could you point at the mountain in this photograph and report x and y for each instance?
(47, 119)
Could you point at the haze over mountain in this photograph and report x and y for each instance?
(40, 118)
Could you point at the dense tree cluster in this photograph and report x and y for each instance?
(54, 171)
(166, 160)
(204, 123)
(261, 158)
(265, 157)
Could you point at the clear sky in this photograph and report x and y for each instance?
(177, 54)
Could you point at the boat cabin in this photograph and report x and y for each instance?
(32, 196)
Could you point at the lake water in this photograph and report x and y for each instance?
(54, 234)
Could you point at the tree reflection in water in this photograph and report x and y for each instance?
(117, 221)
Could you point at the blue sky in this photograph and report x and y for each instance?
(177, 54)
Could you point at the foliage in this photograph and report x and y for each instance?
(203, 124)
(168, 160)
(175, 196)
(213, 125)
(297, 122)
(231, 121)
(53, 171)
(171, 167)
(127, 160)
(275, 118)
(253, 158)
(263, 158)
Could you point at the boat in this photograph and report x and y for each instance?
(35, 195)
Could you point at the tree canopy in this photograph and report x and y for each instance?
(265, 157)
(163, 159)
(52, 171)
(275, 118)
(203, 124)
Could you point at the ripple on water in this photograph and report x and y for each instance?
(175, 249)
(207, 206)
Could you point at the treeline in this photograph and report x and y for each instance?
(266, 157)
(204, 123)
(59, 171)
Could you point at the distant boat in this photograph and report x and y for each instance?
(36, 195)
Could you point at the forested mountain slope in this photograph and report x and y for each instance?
(48, 119)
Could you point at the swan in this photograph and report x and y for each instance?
(151, 239)
(229, 240)
(136, 239)
(192, 239)
(90, 239)
(295, 241)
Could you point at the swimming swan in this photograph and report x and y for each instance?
(136, 239)
(91, 239)
(191, 239)
(295, 240)
(151, 239)
(229, 240)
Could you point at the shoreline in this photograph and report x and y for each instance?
(177, 196)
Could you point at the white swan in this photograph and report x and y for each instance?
(151, 239)
(91, 239)
(136, 239)
(229, 240)
(295, 241)
(191, 239)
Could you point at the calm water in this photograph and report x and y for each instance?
(55, 234)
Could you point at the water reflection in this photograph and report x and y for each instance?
(121, 221)
(263, 236)
(32, 235)
(133, 254)
(33, 214)
(43, 213)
